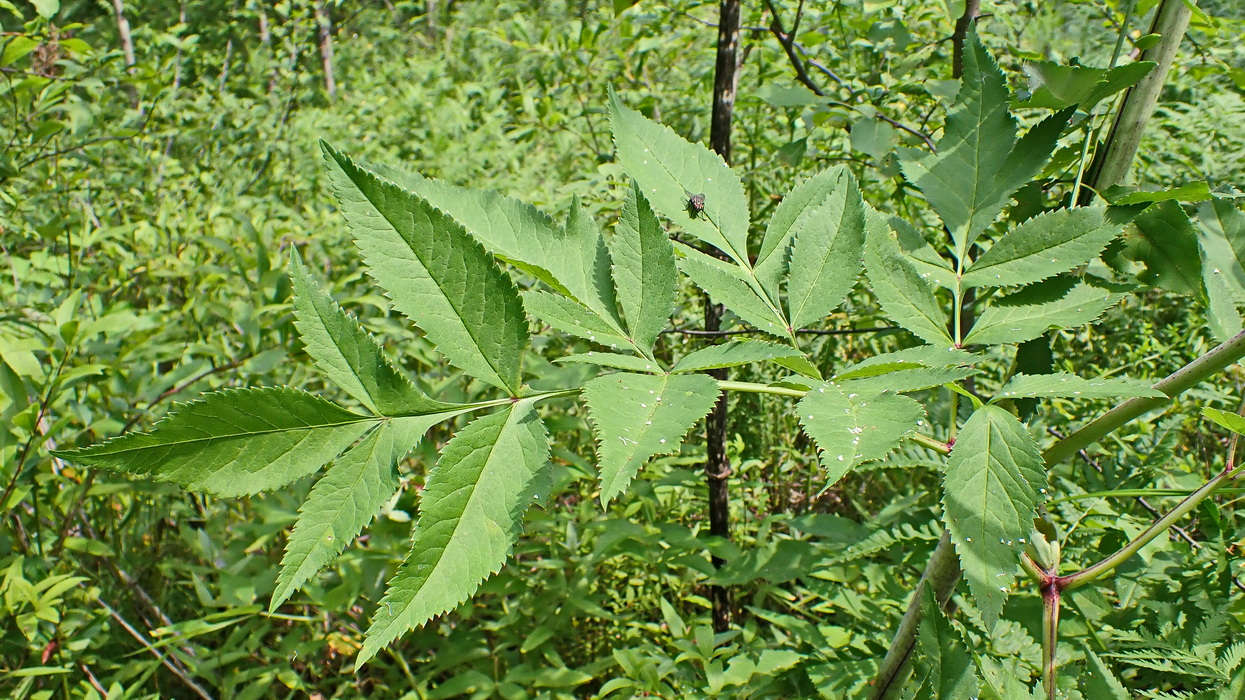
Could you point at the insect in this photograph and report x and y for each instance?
(695, 204)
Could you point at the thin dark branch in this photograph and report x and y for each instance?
(754, 331)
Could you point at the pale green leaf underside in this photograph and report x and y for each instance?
(637, 416)
(732, 354)
(728, 284)
(926, 355)
(798, 204)
(850, 427)
(436, 273)
(569, 316)
(470, 511)
(903, 294)
(1071, 386)
(644, 270)
(826, 255)
(1043, 246)
(990, 492)
(1004, 323)
(235, 442)
(348, 355)
(345, 499)
(571, 259)
(669, 169)
(631, 363)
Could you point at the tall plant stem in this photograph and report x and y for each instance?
(717, 464)
(944, 564)
(1115, 157)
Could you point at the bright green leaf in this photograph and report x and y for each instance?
(436, 274)
(1060, 384)
(669, 170)
(990, 493)
(1009, 320)
(904, 294)
(637, 416)
(1055, 86)
(470, 512)
(1044, 246)
(569, 316)
(1231, 421)
(233, 443)
(946, 668)
(729, 285)
(350, 357)
(644, 269)
(630, 363)
(826, 255)
(851, 427)
(734, 353)
(1099, 682)
(799, 204)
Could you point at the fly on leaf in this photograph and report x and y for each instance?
(695, 204)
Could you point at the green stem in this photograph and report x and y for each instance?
(753, 388)
(1175, 384)
(1106, 566)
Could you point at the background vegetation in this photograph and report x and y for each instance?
(151, 197)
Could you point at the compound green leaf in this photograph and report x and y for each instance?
(978, 164)
(569, 316)
(669, 170)
(851, 427)
(1162, 238)
(1044, 246)
(826, 254)
(903, 293)
(946, 667)
(351, 358)
(644, 269)
(921, 355)
(630, 363)
(345, 499)
(990, 493)
(436, 273)
(732, 354)
(235, 442)
(1008, 322)
(799, 204)
(637, 416)
(470, 512)
(904, 379)
(572, 259)
(1061, 384)
(729, 285)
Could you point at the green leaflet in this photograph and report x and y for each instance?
(904, 294)
(235, 442)
(436, 274)
(990, 493)
(944, 665)
(1162, 238)
(921, 255)
(924, 355)
(630, 363)
(1065, 385)
(1099, 681)
(1056, 86)
(732, 354)
(799, 204)
(569, 316)
(1231, 421)
(470, 512)
(851, 427)
(572, 259)
(644, 270)
(1044, 246)
(669, 169)
(637, 416)
(1221, 236)
(976, 169)
(345, 499)
(909, 378)
(826, 255)
(1005, 322)
(351, 358)
(729, 284)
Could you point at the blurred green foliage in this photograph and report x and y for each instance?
(147, 209)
